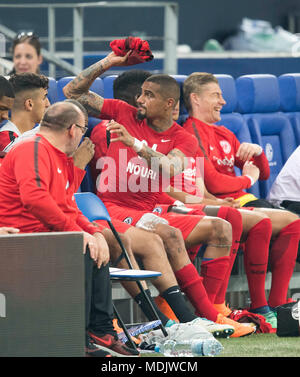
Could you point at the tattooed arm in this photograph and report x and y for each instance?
(170, 164)
(79, 87)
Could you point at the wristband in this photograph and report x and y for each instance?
(251, 179)
(137, 145)
(178, 203)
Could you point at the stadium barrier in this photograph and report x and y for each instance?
(42, 311)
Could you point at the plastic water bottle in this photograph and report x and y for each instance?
(208, 347)
(194, 348)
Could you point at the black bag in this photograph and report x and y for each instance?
(288, 323)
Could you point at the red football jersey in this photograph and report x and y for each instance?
(126, 178)
(219, 147)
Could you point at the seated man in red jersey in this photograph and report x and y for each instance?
(204, 101)
(132, 196)
(36, 195)
(29, 106)
(127, 87)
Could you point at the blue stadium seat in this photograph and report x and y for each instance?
(87, 182)
(257, 94)
(60, 84)
(289, 88)
(3, 123)
(52, 90)
(259, 102)
(91, 124)
(227, 85)
(96, 87)
(108, 86)
(233, 120)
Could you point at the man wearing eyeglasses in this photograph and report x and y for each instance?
(38, 176)
(37, 183)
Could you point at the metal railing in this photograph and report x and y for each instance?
(170, 36)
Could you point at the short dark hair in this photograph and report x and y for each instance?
(28, 81)
(6, 89)
(128, 85)
(60, 116)
(169, 87)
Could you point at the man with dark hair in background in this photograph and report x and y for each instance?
(128, 85)
(30, 103)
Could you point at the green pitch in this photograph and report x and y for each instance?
(261, 345)
(257, 345)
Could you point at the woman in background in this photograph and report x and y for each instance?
(26, 51)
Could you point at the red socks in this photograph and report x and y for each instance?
(256, 261)
(191, 284)
(234, 217)
(213, 272)
(282, 260)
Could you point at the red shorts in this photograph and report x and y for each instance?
(197, 209)
(185, 223)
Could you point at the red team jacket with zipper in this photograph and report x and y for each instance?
(220, 146)
(37, 182)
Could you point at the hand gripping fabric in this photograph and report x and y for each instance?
(140, 50)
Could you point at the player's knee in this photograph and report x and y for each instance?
(251, 218)
(291, 216)
(170, 236)
(173, 234)
(221, 232)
